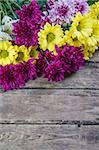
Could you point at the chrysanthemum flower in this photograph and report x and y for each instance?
(33, 53)
(7, 53)
(94, 11)
(94, 37)
(4, 36)
(61, 11)
(89, 51)
(29, 24)
(55, 71)
(81, 26)
(14, 76)
(41, 64)
(80, 6)
(28, 71)
(22, 54)
(7, 24)
(51, 3)
(67, 61)
(49, 36)
(72, 58)
(9, 78)
(72, 41)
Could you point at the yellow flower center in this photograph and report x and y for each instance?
(20, 56)
(79, 27)
(75, 39)
(31, 53)
(98, 16)
(4, 54)
(50, 37)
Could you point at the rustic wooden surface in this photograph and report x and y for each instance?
(53, 116)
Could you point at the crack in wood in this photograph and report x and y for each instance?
(52, 122)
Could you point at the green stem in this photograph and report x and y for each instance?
(7, 1)
(15, 4)
(42, 52)
(1, 13)
(4, 8)
(0, 18)
(1, 9)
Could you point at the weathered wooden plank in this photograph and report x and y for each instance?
(95, 57)
(87, 77)
(37, 106)
(22, 137)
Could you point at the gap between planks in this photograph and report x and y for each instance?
(53, 122)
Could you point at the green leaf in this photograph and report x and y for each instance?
(91, 2)
(42, 3)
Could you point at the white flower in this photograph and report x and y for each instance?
(4, 36)
(7, 24)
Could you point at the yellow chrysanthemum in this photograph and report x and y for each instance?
(22, 54)
(94, 11)
(7, 53)
(68, 39)
(81, 26)
(33, 52)
(95, 32)
(89, 51)
(93, 39)
(50, 36)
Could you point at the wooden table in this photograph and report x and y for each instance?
(58, 116)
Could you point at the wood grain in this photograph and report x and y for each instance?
(39, 106)
(57, 137)
(95, 57)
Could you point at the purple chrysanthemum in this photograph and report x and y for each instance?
(81, 6)
(68, 60)
(49, 56)
(14, 76)
(72, 58)
(41, 64)
(8, 79)
(28, 71)
(61, 11)
(55, 71)
(29, 24)
(51, 3)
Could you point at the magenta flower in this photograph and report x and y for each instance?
(55, 71)
(41, 64)
(72, 58)
(9, 80)
(14, 76)
(68, 60)
(28, 71)
(29, 24)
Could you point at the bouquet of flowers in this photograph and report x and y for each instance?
(49, 38)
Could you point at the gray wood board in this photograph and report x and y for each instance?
(39, 106)
(53, 137)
